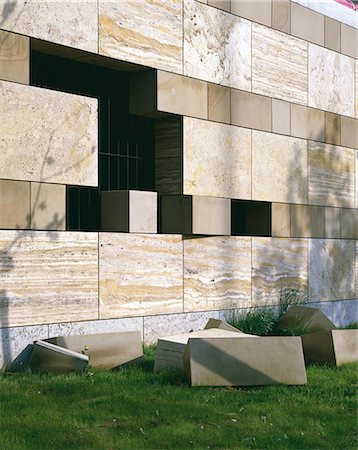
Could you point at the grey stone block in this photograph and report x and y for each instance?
(303, 317)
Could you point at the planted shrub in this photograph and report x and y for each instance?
(258, 321)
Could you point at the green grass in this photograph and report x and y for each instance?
(134, 408)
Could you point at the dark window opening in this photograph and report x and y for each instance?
(250, 218)
(126, 143)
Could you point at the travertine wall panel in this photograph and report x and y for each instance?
(217, 273)
(279, 168)
(277, 264)
(279, 65)
(330, 175)
(14, 57)
(48, 277)
(331, 269)
(47, 136)
(331, 81)
(66, 22)
(140, 274)
(217, 46)
(225, 171)
(147, 32)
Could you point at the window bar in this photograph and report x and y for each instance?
(136, 165)
(128, 184)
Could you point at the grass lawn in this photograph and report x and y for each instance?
(134, 408)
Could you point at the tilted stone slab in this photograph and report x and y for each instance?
(220, 324)
(107, 350)
(234, 361)
(47, 357)
(306, 318)
(336, 347)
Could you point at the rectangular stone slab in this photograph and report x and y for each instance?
(311, 319)
(336, 347)
(234, 361)
(104, 350)
(47, 357)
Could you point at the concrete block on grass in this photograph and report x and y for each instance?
(307, 319)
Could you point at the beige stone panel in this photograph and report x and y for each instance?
(14, 204)
(225, 5)
(349, 132)
(307, 123)
(48, 206)
(47, 136)
(144, 31)
(281, 12)
(349, 223)
(278, 264)
(217, 273)
(217, 46)
(279, 65)
(48, 277)
(356, 86)
(254, 10)
(333, 129)
(356, 252)
(330, 175)
(250, 110)
(66, 22)
(182, 95)
(207, 169)
(211, 215)
(280, 220)
(14, 57)
(281, 117)
(331, 269)
(219, 103)
(245, 361)
(332, 38)
(307, 24)
(151, 274)
(307, 221)
(332, 223)
(279, 168)
(331, 81)
(349, 41)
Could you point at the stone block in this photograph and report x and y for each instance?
(250, 110)
(220, 324)
(129, 211)
(106, 350)
(185, 214)
(63, 150)
(47, 357)
(307, 24)
(281, 117)
(310, 320)
(254, 10)
(280, 220)
(307, 123)
(349, 132)
(307, 221)
(48, 206)
(335, 347)
(249, 361)
(345, 312)
(14, 57)
(14, 193)
(332, 39)
(349, 41)
(225, 5)
(349, 223)
(281, 13)
(332, 223)
(333, 129)
(219, 103)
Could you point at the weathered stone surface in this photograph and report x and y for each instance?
(331, 269)
(48, 277)
(349, 223)
(48, 206)
(251, 110)
(279, 168)
(145, 32)
(279, 65)
(331, 81)
(151, 271)
(307, 221)
(14, 57)
(278, 264)
(332, 223)
(330, 175)
(47, 136)
(219, 174)
(217, 273)
(71, 23)
(14, 193)
(217, 46)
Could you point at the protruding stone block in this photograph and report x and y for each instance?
(238, 361)
(48, 357)
(129, 211)
(280, 220)
(48, 206)
(14, 57)
(14, 204)
(336, 347)
(107, 350)
(309, 319)
(186, 214)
